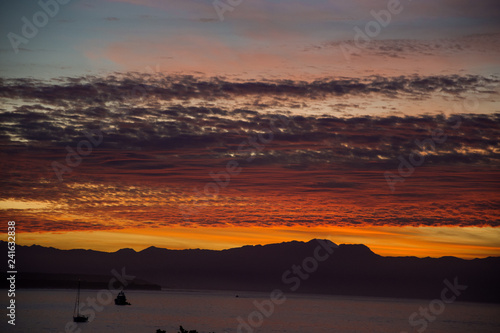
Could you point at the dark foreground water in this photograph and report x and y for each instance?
(205, 311)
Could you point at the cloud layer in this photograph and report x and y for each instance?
(163, 145)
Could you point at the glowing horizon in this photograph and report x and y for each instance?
(451, 241)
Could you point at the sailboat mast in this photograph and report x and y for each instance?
(77, 304)
(76, 313)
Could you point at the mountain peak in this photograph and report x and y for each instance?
(152, 249)
(125, 251)
(324, 241)
(355, 250)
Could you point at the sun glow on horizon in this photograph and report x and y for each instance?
(23, 204)
(468, 242)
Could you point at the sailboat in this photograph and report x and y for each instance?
(77, 317)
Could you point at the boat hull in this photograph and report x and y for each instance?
(80, 319)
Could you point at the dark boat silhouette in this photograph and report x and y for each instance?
(121, 299)
(77, 317)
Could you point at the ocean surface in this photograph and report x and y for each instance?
(218, 311)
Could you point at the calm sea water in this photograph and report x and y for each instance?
(206, 311)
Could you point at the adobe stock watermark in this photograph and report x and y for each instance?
(424, 316)
(222, 6)
(95, 137)
(293, 278)
(372, 29)
(74, 158)
(417, 157)
(139, 92)
(30, 28)
(103, 298)
(221, 179)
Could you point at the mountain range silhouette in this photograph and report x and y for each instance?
(350, 270)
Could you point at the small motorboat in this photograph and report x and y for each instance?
(121, 299)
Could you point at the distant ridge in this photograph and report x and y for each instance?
(349, 270)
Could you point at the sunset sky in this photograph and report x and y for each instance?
(199, 124)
